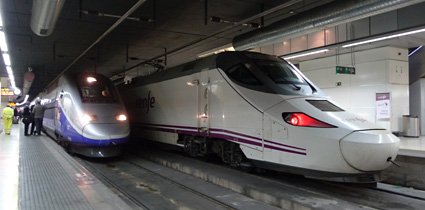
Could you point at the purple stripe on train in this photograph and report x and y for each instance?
(221, 133)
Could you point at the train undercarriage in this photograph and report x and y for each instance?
(229, 152)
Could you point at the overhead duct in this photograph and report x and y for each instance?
(328, 15)
(28, 79)
(45, 14)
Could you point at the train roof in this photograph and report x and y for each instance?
(206, 63)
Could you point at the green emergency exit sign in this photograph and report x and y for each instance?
(345, 70)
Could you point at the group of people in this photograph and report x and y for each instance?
(33, 116)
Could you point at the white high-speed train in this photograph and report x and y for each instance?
(85, 114)
(256, 107)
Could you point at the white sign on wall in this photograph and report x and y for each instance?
(383, 106)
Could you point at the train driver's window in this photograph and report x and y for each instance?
(88, 93)
(241, 74)
(280, 72)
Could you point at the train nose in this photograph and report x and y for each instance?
(106, 131)
(369, 150)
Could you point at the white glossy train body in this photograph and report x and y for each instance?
(84, 113)
(245, 105)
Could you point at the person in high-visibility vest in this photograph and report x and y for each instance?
(7, 119)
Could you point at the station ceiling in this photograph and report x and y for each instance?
(158, 32)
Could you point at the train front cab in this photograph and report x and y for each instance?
(351, 148)
(93, 121)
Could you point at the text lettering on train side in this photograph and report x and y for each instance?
(147, 103)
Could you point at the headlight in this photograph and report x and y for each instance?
(91, 79)
(88, 118)
(121, 117)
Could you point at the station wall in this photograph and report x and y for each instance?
(381, 70)
(401, 19)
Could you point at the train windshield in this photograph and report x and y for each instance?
(287, 79)
(96, 89)
(265, 73)
(241, 74)
(280, 73)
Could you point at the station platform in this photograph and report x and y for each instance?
(36, 173)
(412, 147)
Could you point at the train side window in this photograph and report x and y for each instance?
(241, 74)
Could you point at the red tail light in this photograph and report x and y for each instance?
(303, 120)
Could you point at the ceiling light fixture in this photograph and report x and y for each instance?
(6, 59)
(3, 43)
(9, 70)
(17, 91)
(305, 54)
(384, 38)
(5, 53)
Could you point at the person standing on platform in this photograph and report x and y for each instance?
(32, 120)
(15, 115)
(26, 119)
(38, 117)
(7, 119)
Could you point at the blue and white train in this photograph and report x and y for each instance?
(246, 106)
(85, 114)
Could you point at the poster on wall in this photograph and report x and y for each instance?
(383, 106)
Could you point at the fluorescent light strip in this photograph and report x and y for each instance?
(305, 54)
(3, 43)
(11, 77)
(6, 59)
(9, 70)
(413, 52)
(6, 56)
(384, 38)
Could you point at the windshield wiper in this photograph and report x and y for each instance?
(296, 87)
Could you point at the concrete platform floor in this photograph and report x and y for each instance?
(413, 147)
(36, 173)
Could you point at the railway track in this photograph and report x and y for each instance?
(129, 197)
(353, 196)
(148, 185)
(148, 179)
(382, 196)
(401, 191)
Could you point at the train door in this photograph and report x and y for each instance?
(203, 99)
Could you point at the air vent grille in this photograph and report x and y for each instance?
(325, 105)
